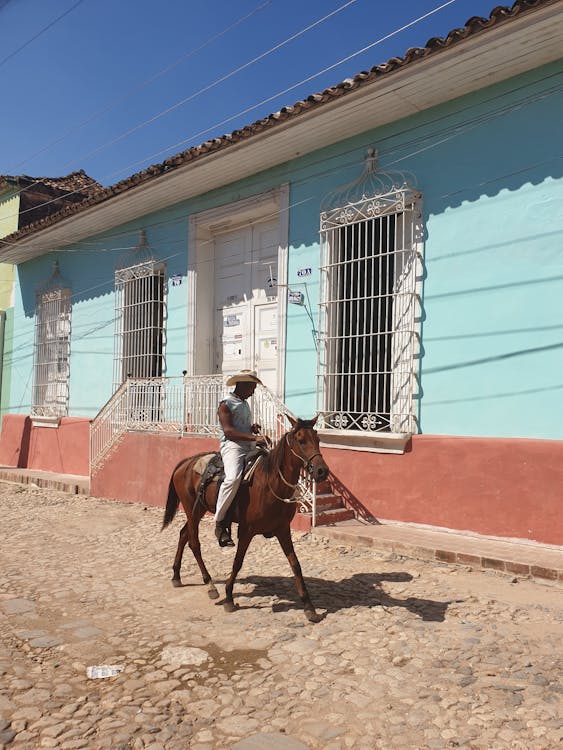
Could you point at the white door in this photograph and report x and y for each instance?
(246, 306)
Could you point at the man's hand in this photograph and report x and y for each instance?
(262, 440)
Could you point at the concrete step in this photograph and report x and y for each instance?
(303, 521)
(520, 558)
(71, 483)
(328, 501)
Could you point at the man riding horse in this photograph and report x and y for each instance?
(238, 437)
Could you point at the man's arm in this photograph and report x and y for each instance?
(230, 431)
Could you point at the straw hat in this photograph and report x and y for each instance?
(244, 376)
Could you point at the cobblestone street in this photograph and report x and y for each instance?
(409, 654)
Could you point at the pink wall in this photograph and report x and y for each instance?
(139, 469)
(504, 487)
(498, 487)
(63, 449)
(494, 486)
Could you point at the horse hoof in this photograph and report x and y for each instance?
(176, 582)
(230, 607)
(313, 616)
(212, 593)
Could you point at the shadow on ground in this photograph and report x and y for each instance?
(359, 590)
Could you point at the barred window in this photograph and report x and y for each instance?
(51, 366)
(369, 313)
(139, 331)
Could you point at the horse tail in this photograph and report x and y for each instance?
(172, 501)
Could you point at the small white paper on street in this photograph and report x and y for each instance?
(103, 670)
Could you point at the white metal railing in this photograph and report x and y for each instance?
(187, 406)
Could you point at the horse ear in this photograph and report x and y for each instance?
(314, 421)
(293, 421)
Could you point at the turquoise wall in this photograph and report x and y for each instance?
(492, 183)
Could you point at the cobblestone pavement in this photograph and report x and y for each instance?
(410, 655)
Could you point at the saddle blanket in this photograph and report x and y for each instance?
(202, 463)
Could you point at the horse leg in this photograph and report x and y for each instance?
(284, 538)
(184, 533)
(244, 539)
(198, 513)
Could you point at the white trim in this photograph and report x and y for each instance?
(37, 421)
(367, 442)
(283, 259)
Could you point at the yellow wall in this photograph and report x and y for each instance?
(9, 210)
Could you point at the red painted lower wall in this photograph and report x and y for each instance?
(494, 486)
(63, 449)
(506, 487)
(139, 469)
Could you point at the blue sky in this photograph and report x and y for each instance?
(102, 64)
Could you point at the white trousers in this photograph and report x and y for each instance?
(233, 456)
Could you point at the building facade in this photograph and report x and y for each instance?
(386, 253)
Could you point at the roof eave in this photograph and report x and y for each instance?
(444, 74)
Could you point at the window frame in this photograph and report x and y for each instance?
(137, 327)
(51, 354)
(402, 340)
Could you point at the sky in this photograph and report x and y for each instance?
(112, 86)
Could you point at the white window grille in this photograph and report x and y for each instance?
(139, 321)
(51, 365)
(368, 336)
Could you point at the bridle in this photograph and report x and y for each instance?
(308, 465)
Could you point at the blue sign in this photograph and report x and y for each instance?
(304, 272)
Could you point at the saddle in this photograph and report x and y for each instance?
(210, 468)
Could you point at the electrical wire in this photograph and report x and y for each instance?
(119, 100)
(203, 90)
(39, 33)
(81, 292)
(467, 125)
(255, 106)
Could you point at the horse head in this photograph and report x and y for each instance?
(304, 443)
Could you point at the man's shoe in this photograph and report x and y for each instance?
(223, 534)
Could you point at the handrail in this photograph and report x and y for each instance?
(185, 405)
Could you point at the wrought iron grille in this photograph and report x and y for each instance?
(140, 292)
(51, 366)
(370, 267)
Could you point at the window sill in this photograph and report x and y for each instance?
(370, 442)
(37, 421)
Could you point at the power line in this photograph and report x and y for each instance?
(203, 90)
(466, 126)
(249, 109)
(242, 112)
(144, 84)
(216, 82)
(39, 33)
(171, 256)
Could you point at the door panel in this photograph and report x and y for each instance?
(266, 343)
(246, 270)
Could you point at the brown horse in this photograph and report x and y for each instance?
(264, 507)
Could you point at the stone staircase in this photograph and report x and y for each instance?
(330, 510)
